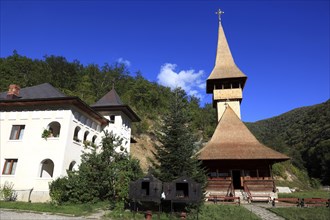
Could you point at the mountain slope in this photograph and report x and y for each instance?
(303, 134)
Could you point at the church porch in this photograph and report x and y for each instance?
(249, 180)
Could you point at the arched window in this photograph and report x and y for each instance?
(72, 166)
(54, 129)
(47, 168)
(94, 139)
(76, 133)
(86, 135)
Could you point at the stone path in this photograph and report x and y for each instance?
(261, 211)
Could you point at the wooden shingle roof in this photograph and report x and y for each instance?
(225, 67)
(232, 140)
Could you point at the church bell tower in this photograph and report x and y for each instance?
(226, 80)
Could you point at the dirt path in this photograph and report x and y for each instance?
(6, 214)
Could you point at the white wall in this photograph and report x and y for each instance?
(32, 149)
(121, 127)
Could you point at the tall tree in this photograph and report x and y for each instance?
(176, 154)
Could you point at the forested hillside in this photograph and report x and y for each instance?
(303, 134)
(90, 83)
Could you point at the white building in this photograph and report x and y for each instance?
(42, 132)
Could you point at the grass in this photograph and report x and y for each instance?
(306, 194)
(294, 213)
(68, 209)
(209, 211)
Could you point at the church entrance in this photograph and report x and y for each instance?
(236, 175)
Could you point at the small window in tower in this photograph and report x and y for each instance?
(112, 119)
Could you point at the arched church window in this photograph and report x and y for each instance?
(72, 166)
(86, 135)
(76, 134)
(94, 139)
(54, 129)
(46, 168)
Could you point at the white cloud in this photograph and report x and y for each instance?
(123, 61)
(189, 80)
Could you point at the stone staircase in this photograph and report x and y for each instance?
(242, 195)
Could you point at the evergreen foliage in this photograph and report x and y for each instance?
(303, 134)
(104, 174)
(175, 156)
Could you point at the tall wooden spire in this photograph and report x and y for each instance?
(226, 80)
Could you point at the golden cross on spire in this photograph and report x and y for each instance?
(219, 13)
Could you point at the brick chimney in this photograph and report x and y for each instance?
(13, 91)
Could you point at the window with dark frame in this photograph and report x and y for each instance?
(182, 190)
(9, 167)
(145, 188)
(112, 119)
(17, 132)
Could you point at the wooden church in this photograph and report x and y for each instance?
(237, 163)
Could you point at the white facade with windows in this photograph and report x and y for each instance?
(41, 139)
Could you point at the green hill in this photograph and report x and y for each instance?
(303, 134)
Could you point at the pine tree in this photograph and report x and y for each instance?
(175, 156)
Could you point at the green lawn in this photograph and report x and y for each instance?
(306, 194)
(69, 209)
(209, 211)
(295, 213)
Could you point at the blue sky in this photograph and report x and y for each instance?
(282, 46)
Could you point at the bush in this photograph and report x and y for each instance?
(7, 193)
(104, 174)
(279, 170)
(57, 190)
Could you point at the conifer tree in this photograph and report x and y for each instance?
(175, 156)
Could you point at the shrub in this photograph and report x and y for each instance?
(279, 170)
(57, 190)
(104, 174)
(7, 193)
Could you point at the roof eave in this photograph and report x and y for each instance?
(124, 108)
(55, 101)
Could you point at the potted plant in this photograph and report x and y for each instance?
(46, 133)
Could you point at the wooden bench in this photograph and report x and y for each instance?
(224, 199)
(306, 202)
(286, 202)
(259, 198)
